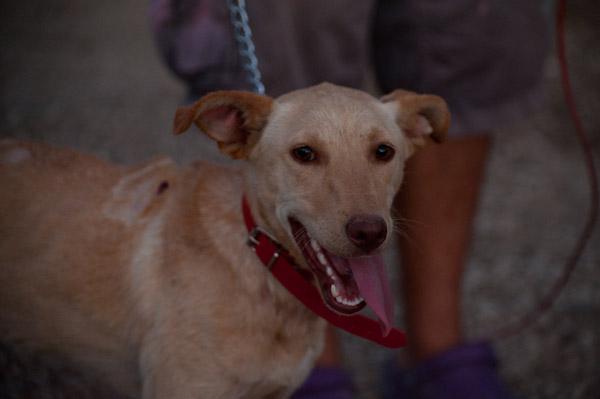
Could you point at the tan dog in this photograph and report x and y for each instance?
(142, 276)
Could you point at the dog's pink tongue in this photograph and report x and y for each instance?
(371, 278)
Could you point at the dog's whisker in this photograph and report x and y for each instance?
(301, 239)
(403, 234)
(401, 221)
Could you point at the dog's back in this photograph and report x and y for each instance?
(83, 273)
(65, 228)
(48, 223)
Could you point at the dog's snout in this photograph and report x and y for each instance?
(367, 232)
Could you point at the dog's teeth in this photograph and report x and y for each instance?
(315, 245)
(343, 300)
(334, 291)
(355, 301)
(322, 258)
(329, 271)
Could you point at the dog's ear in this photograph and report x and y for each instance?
(234, 119)
(420, 115)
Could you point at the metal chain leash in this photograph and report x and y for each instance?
(243, 37)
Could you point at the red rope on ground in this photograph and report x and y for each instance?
(553, 293)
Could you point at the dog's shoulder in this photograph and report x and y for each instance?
(140, 190)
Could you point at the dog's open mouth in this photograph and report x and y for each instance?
(347, 284)
(335, 279)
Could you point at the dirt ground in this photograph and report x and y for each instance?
(85, 74)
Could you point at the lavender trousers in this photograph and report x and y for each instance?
(483, 56)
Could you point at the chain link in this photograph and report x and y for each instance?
(243, 37)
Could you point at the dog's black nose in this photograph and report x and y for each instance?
(367, 232)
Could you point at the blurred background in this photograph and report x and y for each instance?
(85, 74)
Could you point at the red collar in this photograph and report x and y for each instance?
(279, 263)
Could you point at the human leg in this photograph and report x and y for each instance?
(460, 50)
(438, 202)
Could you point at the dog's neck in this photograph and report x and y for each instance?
(224, 226)
(264, 211)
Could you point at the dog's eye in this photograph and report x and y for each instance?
(384, 152)
(304, 154)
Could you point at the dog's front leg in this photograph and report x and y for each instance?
(175, 368)
(178, 368)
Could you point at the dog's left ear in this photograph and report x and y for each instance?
(234, 119)
(420, 115)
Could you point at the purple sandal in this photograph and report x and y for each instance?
(326, 383)
(467, 371)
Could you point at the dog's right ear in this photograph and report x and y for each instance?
(419, 115)
(234, 119)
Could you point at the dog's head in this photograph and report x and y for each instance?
(324, 166)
